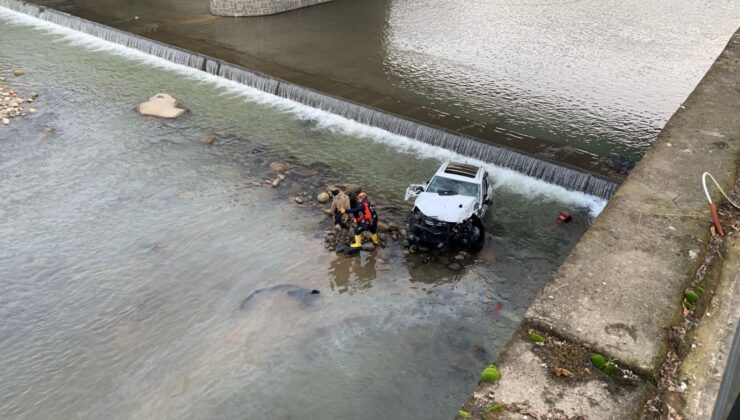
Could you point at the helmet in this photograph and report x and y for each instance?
(361, 195)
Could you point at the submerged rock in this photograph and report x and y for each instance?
(305, 296)
(18, 72)
(278, 166)
(383, 227)
(353, 188)
(299, 200)
(162, 105)
(210, 139)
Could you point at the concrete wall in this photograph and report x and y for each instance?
(258, 7)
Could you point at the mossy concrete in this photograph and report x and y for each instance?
(622, 286)
(526, 380)
(702, 369)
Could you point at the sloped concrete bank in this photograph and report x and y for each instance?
(621, 292)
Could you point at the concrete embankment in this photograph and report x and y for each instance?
(258, 7)
(620, 292)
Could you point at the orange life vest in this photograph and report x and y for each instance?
(367, 212)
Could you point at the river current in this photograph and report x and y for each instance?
(556, 78)
(127, 246)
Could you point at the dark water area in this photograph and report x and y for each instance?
(571, 81)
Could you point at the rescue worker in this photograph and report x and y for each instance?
(366, 218)
(341, 201)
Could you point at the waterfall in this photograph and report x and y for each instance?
(567, 177)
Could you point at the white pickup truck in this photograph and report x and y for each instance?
(449, 209)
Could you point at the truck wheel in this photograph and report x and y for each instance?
(479, 236)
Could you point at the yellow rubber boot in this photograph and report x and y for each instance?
(358, 242)
(376, 240)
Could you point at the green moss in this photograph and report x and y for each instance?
(496, 407)
(690, 296)
(536, 337)
(610, 369)
(490, 374)
(463, 414)
(699, 290)
(604, 364)
(598, 360)
(687, 304)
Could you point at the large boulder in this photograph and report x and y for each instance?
(162, 105)
(353, 188)
(323, 198)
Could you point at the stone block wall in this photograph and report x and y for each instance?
(258, 7)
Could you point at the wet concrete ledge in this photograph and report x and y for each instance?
(258, 7)
(621, 289)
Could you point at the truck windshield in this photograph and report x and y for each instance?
(447, 186)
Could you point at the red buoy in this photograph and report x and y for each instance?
(563, 217)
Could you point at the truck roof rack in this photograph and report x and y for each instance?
(463, 169)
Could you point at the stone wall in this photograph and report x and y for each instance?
(258, 7)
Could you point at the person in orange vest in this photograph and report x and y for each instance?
(366, 218)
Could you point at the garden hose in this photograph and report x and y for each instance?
(712, 206)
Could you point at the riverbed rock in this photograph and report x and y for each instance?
(392, 226)
(276, 182)
(383, 227)
(162, 105)
(455, 266)
(323, 198)
(328, 212)
(278, 166)
(298, 200)
(368, 247)
(209, 139)
(353, 188)
(18, 72)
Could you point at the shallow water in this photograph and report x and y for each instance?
(127, 246)
(557, 77)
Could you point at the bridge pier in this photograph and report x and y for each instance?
(258, 7)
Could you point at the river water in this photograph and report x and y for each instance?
(127, 246)
(570, 80)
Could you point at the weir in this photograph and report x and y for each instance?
(554, 173)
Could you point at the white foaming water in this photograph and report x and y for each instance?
(504, 178)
